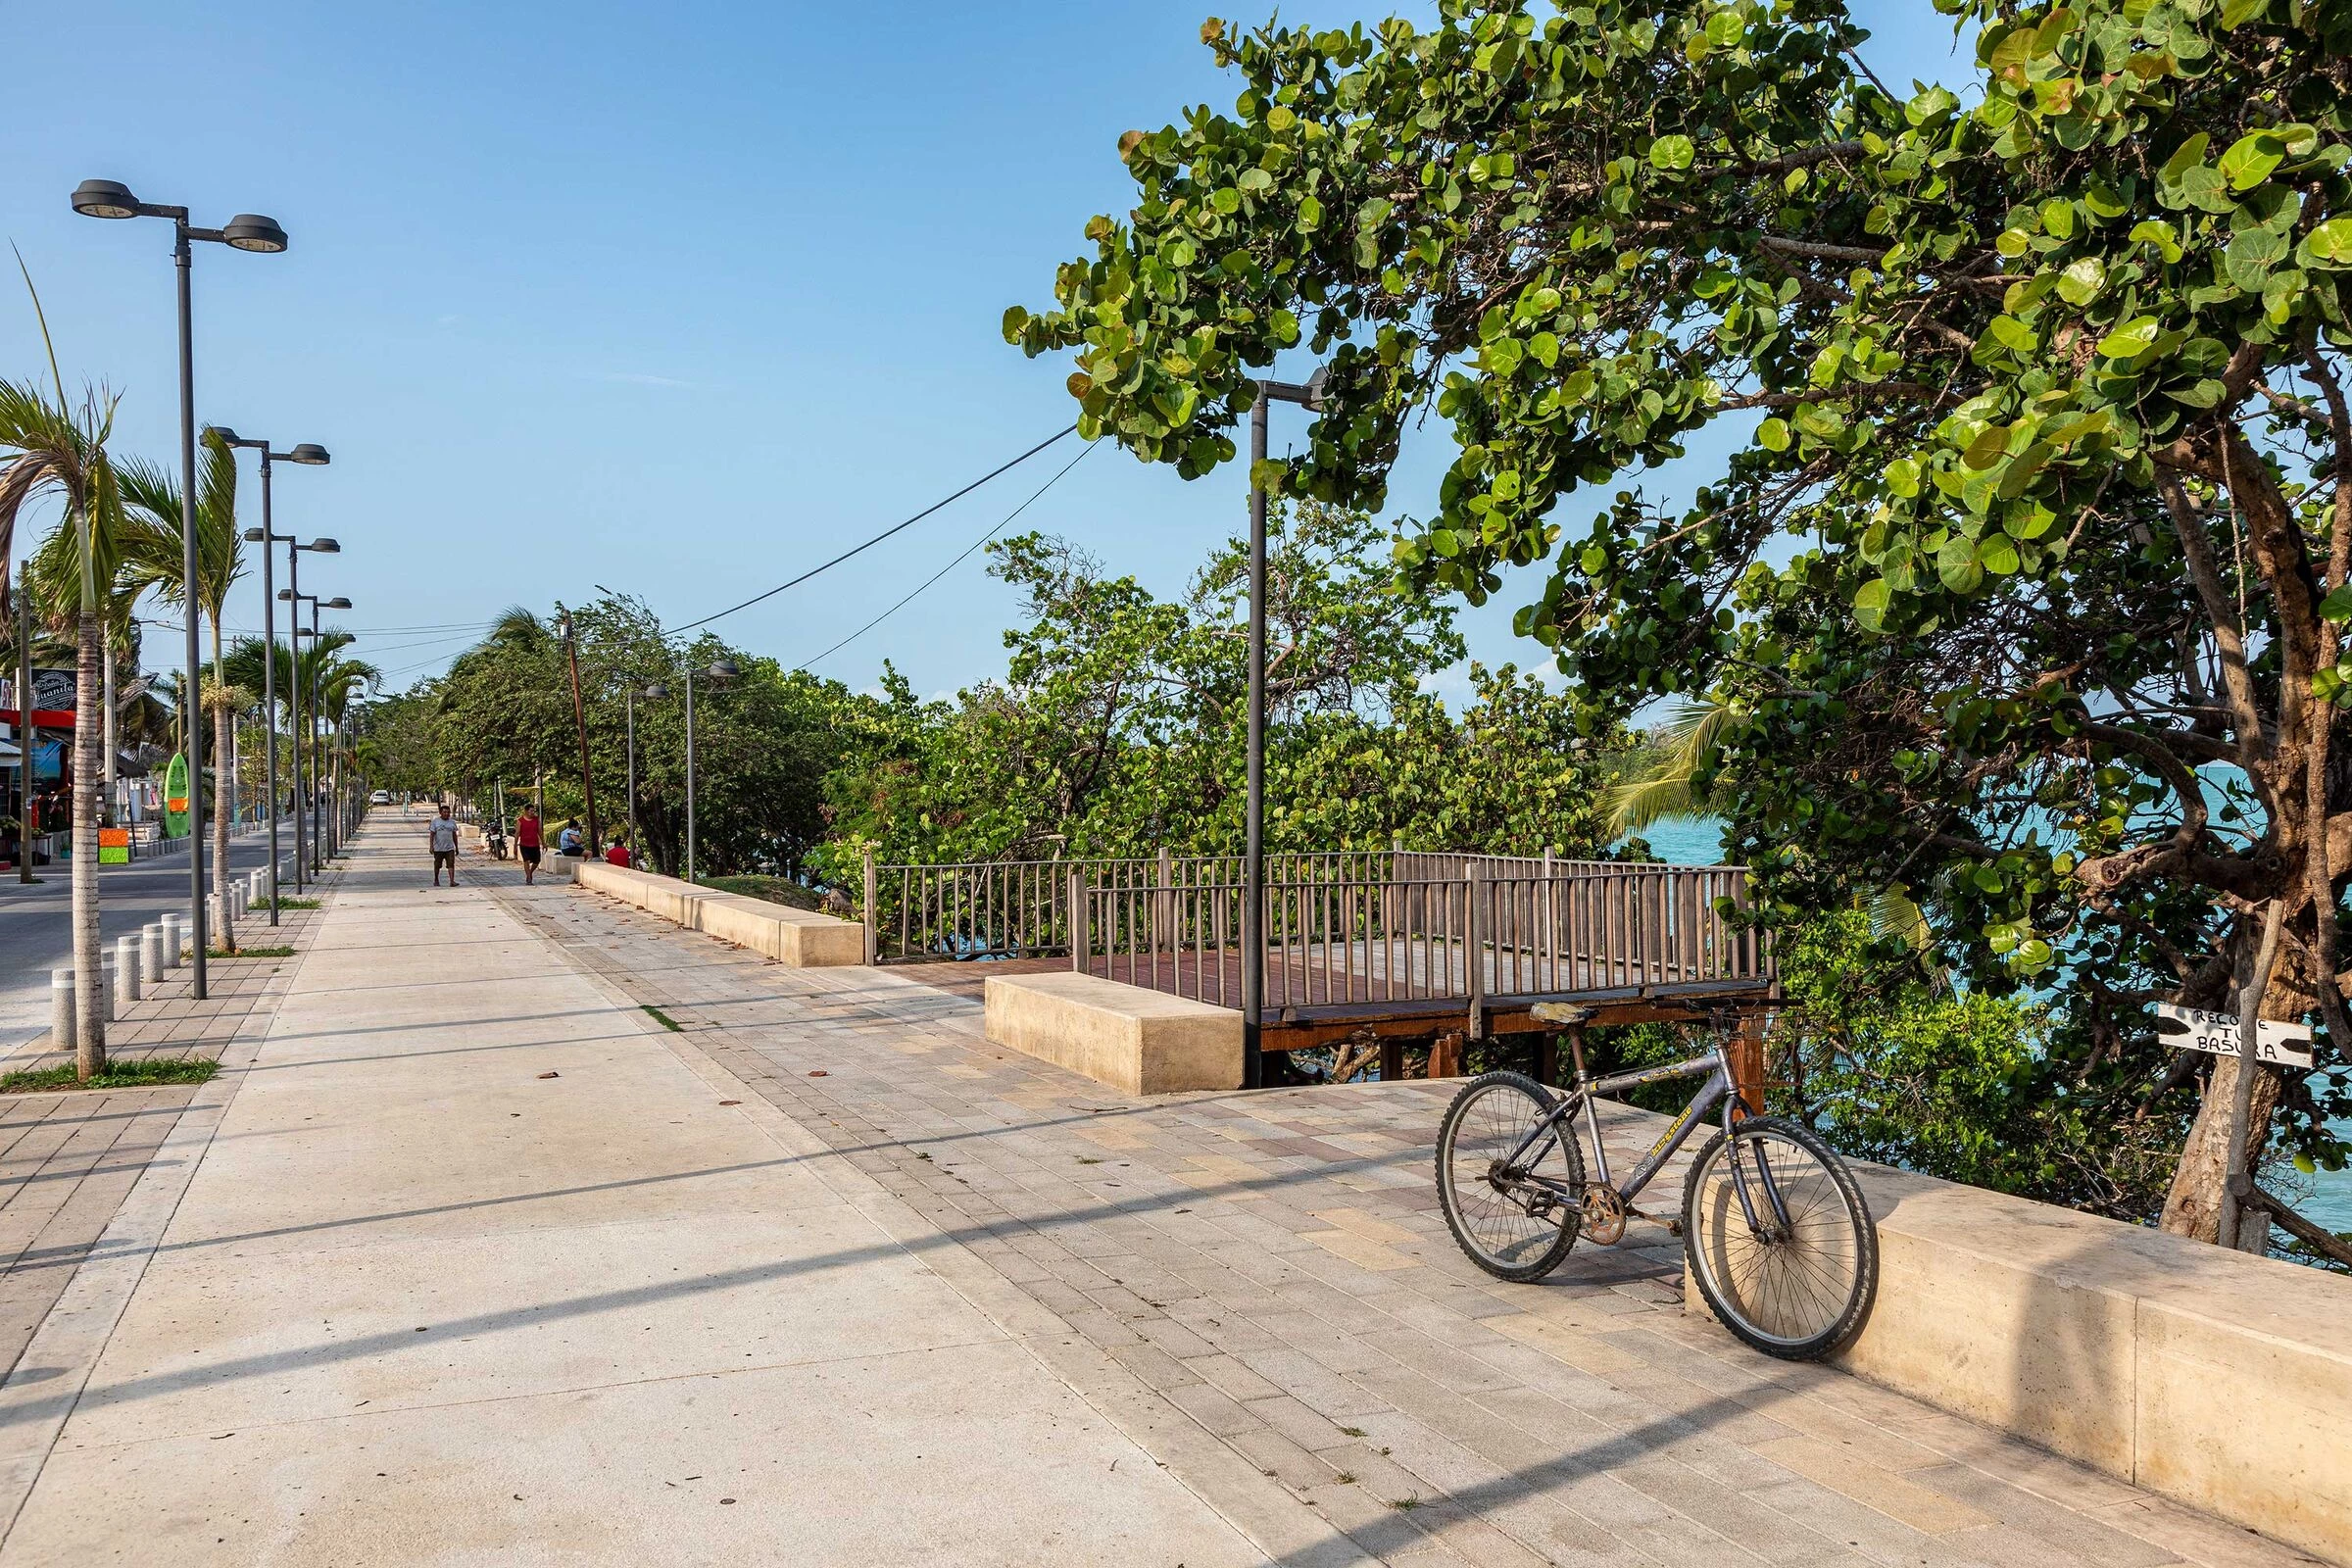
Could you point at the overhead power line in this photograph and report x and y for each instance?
(885, 533)
(952, 565)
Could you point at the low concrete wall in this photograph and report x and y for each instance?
(1142, 1041)
(2222, 1379)
(800, 938)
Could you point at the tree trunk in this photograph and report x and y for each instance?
(2193, 1205)
(90, 737)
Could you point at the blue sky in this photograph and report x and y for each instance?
(680, 300)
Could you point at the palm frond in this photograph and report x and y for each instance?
(1692, 731)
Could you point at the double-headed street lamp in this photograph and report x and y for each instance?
(247, 232)
(318, 849)
(720, 670)
(1253, 856)
(654, 691)
(311, 455)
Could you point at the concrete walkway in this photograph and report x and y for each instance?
(477, 1269)
(485, 1263)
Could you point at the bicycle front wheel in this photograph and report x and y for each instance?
(1781, 1243)
(1513, 1205)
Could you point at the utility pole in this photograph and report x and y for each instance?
(579, 725)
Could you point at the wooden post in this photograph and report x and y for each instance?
(1474, 952)
(1547, 1059)
(1747, 1063)
(1392, 1061)
(1445, 1056)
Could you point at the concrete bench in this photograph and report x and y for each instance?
(1140, 1040)
(798, 938)
(2216, 1377)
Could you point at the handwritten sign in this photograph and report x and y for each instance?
(2281, 1045)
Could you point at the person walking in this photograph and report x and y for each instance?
(442, 831)
(527, 842)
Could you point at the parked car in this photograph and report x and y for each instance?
(380, 798)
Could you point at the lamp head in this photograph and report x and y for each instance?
(722, 670)
(655, 690)
(287, 594)
(222, 434)
(251, 231)
(338, 604)
(309, 452)
(105, 198)
(255, 536)
(325, 547)
(1316, 386)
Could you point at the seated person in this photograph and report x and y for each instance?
(567, 842)
(618, 854)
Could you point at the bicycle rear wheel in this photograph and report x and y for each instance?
(1799, 1279)
(1512, 1225)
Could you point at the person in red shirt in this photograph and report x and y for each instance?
(527, 843)
(618, 854)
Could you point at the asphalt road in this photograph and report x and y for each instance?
(35, 925)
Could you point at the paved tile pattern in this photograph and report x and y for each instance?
(68, 1160)
(1258, 1289)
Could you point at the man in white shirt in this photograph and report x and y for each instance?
(443, 833)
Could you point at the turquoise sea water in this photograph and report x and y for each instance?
(1699, 841)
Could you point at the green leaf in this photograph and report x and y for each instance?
(2250, 160)
(2337, 605)
(1998, 553)
(2330, 244)
(1254, 180)
(2237, 12)
(1672, 151)
(2058, 218)
(2082, 280)
(2032, 956)
(2156, 231)
(1957, 566)
(2185, 157)
(1310, 212)
(1870, 604)
(1724, 28)
(2130, 340)
(1902, 476)
(1773, 434)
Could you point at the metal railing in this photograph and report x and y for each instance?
(1341, 928)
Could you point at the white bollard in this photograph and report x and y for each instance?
(151, 949)
(126, 972)
(174, 943)
(61, 1009)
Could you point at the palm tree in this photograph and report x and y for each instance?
(50, 449)
(340, 682)
(155, 555)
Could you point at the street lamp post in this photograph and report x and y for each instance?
(721, 670)
(247, 232)
(311, 455)
(294, 699)
(316, 694)
(1254, 858)
(654, 691)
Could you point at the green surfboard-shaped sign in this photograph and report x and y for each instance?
(175, 797)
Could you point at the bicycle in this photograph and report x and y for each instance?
(1779, 1239)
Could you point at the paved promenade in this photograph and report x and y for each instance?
(481, 1259)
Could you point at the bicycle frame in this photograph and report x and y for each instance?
(1718, 1090)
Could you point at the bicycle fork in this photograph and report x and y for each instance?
(1779, 1230)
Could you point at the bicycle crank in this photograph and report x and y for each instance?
(1604, 1216)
